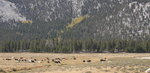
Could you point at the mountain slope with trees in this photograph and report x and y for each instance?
(72, 24)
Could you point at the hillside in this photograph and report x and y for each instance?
(105, 19)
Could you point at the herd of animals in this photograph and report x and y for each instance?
(48, 60)
(55, 60)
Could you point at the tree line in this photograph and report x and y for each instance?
(76, 46)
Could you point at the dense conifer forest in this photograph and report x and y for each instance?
(76, 46)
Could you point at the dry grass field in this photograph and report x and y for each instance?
(73, 63)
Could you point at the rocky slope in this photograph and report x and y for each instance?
(105, 19)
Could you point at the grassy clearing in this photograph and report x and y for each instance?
(117, 63)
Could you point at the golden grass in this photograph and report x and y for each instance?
(117, 63)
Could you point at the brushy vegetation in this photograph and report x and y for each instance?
(27, 22)
(73, 23)
(76, 21)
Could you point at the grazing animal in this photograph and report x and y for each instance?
(74, 58)
(16, 59)
(31, 61)
(48, 62)
(21, 60)
(8, 59)
(58, 59)
(53, 60)
(47, 58)
(35, 59)
(147, 71)
(24, 60)
(102, 60)
(84, 61)
(88, 60)
(58, 62)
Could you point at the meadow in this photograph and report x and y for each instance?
(74, 63)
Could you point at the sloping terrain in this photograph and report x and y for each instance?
(42, 19)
